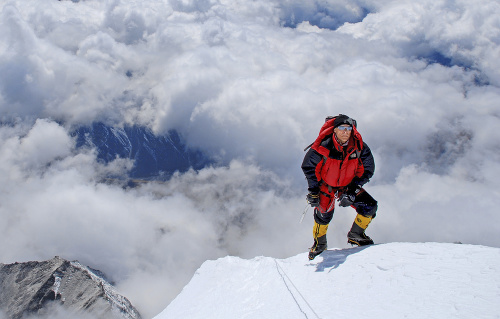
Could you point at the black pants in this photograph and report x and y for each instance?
(364, 204)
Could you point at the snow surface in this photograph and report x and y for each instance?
(396, 280)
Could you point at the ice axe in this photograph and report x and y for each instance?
(304, 213)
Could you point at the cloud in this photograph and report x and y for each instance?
(41, 79)
(249, 83)
(139, 237)
(329, 15)
(459, 33)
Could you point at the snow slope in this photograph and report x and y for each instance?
(396, 280)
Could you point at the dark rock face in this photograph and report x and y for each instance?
(31, 288)
(155, 157)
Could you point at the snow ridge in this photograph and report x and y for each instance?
(395, 280)
(119, 303)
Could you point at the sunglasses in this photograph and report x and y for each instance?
(344, 128)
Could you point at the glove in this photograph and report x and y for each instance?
(346, 199)
(352, 189)
(313, 199)
(348, 196)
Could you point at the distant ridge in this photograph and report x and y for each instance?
(154, 156)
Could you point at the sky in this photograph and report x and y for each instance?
(395, 280)
(248, 83)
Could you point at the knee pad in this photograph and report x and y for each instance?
(373, 211)
(323, 218)
(367, 209)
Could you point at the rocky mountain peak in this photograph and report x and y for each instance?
(31, 288)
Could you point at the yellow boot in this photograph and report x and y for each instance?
(319, 246)
(356, 235)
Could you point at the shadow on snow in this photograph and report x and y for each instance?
(334, 258)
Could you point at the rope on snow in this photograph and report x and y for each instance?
(282, 272)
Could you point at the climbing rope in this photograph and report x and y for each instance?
(283, 275)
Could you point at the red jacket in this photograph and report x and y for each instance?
(331, 166)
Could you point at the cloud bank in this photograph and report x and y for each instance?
(249, 83)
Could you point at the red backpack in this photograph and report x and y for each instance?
(325, 129)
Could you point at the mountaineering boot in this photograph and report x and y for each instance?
(356, 235)
(319, 246)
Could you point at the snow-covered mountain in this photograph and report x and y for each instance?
(38, 288)
(396, 280)
(154, 156)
